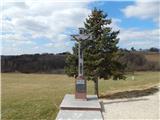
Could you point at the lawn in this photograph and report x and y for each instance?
(38, 96)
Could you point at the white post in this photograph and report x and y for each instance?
(79, 69)
(80, 60)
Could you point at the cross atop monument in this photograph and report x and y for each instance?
(80, 104)
(80, 87)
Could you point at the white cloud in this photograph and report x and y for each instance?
(139, 38)
(115, 24)
(136, 34)
(132, 36)
(23, 22)
(136, 37)
(143, 10)
(41, 19)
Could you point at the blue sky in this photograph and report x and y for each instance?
(114, 10)
(45, 26)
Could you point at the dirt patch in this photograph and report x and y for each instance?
(131, 94)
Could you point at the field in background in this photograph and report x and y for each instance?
(153, 57)
(37, 96)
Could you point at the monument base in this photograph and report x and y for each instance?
(77, 109)
(80, 92)
(70, 103)
(79, 115)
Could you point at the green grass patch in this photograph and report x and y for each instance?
(38, 96)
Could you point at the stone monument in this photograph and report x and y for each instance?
(80, 106)
(80, 87)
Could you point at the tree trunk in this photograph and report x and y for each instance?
(96, 87)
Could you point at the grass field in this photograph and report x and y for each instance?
(37, 96)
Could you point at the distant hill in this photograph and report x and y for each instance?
(55, 63)
(152, 56)
(140, 60)
(35, 63)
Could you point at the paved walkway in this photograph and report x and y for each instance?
(134, 108)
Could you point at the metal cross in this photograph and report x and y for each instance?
(80, 38)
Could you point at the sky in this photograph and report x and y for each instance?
(45, 26)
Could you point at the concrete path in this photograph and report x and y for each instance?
(133, 108)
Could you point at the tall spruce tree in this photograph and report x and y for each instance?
(100, 53)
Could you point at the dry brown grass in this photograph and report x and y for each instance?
(153, 57)
(38, 96)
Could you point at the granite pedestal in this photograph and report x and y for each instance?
(77, 109)
(79, 115)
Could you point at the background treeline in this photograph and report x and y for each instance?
(142, 60)
(36, 63)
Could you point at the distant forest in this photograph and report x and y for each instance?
(142, 60)
(36, 63)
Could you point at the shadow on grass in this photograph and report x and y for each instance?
(131, 94)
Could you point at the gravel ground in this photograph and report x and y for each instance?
(133, 108)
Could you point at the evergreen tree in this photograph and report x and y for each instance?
(100, 53)
(132, 49)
